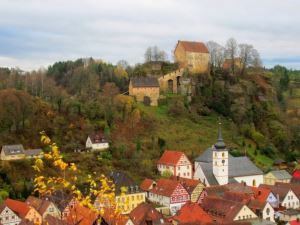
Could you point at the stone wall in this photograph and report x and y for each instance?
(141, 92)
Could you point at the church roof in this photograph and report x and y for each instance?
(220, 145)
(237, 167)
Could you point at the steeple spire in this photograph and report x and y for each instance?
(220, 142)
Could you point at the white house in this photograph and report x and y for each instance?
(96, 142)
(175, 162)
(285, 196)
(169, 193)
(217, 167)
(7, 216)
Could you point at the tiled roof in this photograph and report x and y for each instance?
(191, 213)
(294, 222)
(237, 196)
(170, 157)
(293, 186)
(165, 187)
(144, 81)
(81, 215)
(188, 184)
(121, 179)
(146, 184)
(13, 149)
(281, 174)
(110, 218)
(192, 46)
(51, 220)
(261, 194)
(33, 152)
(20, 208)
(40, 205)
(60, 199)
(221, 208)
(281, 191)
(146, 212)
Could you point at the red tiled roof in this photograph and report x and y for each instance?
(165, 187)
(145, 211)
(145, 185)
(221, 208)
(192, 46)
(20, 208)
(40, 205)
(255, 204)
(170, 157)
(81, 215)
(261, 194)
(237, 197)
(191, 213)
(110, 218)
(188, 184)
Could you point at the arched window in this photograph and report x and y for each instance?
(254, 183)
(223, 154)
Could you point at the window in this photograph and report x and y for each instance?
(51, 209)
(178, 167)
(223, 154)
(13, 217)
(187, 167)
(268, 211)
(132, 198)
(254, 183)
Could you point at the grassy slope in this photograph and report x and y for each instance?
(185, 135)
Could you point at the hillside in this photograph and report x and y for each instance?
(71, 100)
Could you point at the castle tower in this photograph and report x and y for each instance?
(220, 159)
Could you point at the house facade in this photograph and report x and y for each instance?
(165, 192)
(7, 216)
(192, 55)
(24, 211)
(144, 89)
(12, 152)
(44, 207)
(277, 176)
(175, 162)
(97, 142)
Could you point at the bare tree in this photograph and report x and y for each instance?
(217, 54)
(232, 51)
(245, 56)
(256, 60)
(155, 54)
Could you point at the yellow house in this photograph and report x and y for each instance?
(12, 152)
(128, 194)
(145, 89)
(277, 176)
(192, 55)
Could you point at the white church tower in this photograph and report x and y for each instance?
(220, 159)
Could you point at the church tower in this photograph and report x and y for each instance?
(220, 159)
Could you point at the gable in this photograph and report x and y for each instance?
(179, 190)
(183, 160)
(7, 211)
(245, 213)
(290, 196)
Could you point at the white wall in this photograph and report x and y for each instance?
(259, 179)
(269, 216)
(290, 201)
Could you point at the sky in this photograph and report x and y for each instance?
(37, 33)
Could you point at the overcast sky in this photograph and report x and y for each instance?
(35, 33)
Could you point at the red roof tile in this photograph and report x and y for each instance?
(146, 184)
(81, 215)
(188, 184)
(170, 157)
(110, 218)
(165, 187)
(41, 205)
(145, 211)
(191, 213)
(20, 208)
(261, 194)
(192, 46)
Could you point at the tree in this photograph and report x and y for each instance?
(231, 52)
(67, 180)
(217, 54)
(155, 54)
(245, 56)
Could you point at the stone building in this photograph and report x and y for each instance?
(145, 89)
(192, 55)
